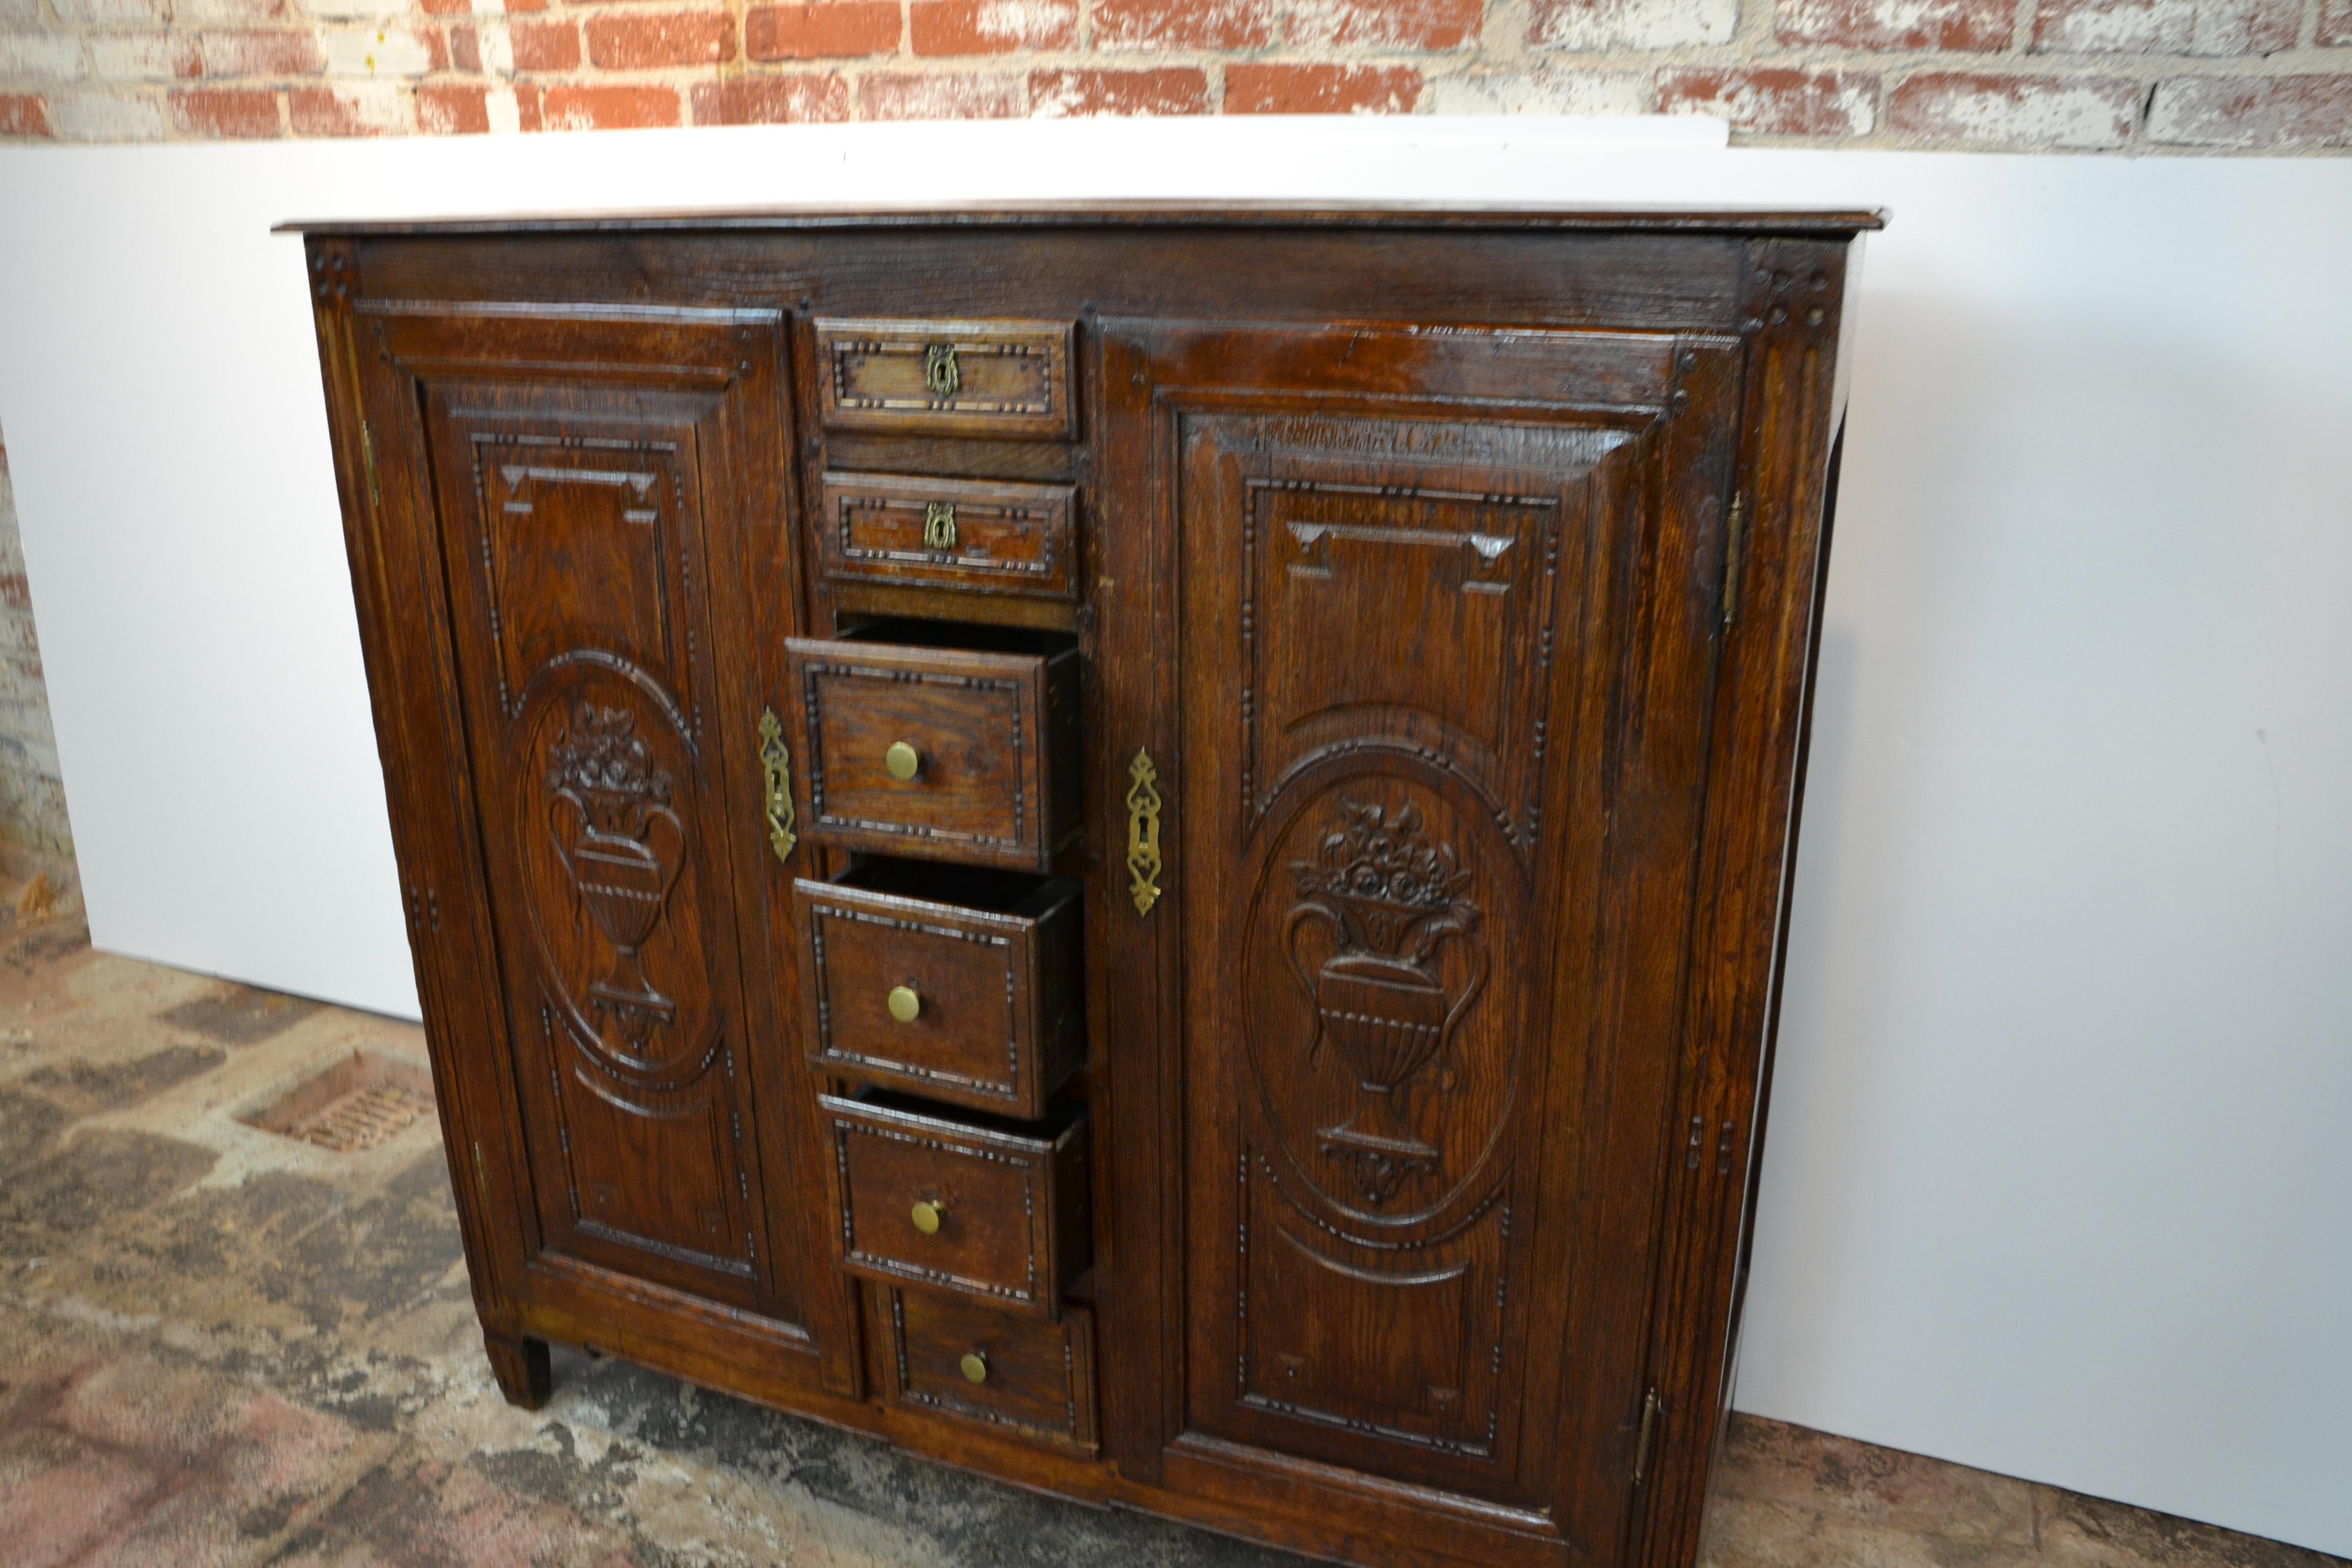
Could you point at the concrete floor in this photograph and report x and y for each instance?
(220, 1346)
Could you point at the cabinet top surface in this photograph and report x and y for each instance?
(1143, 215)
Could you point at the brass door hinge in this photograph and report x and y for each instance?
(367, 459)
(1651, 1409)
(1735, 542)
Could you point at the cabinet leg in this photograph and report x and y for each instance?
(520, 1367)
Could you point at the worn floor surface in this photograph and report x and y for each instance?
(221, 1346)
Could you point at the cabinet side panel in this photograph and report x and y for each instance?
(1793, 295)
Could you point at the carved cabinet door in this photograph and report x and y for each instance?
(1427, 687)
(600, 495)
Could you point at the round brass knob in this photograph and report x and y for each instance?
(975, 1366)
(929, 1217)
(902, 760)
(905, 1003)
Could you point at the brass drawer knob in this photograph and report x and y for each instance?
(975, 1366)
(904, 1004)
(929, 1217)
(902, 760)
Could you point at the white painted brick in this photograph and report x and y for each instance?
(1022, 24)
(365, 52)
(505, 114)
(1540, 92)
(141, 57)
(379, 105)
(41, 57)
(2017, 111)
(101, 116)
(233, 13)
(109, 13)
(1632, 24)
(2167, 27)
(355, 10)
(497, 47)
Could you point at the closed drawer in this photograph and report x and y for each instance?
(977, 1208)
(966, 378)
(966, 535)
(953, 983)
(964, 752)
(1035, 1380)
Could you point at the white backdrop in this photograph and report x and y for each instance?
(2060, 1181)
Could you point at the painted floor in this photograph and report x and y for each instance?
(222, 1346)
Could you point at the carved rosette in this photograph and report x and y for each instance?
(1391, 899)
(622, 846)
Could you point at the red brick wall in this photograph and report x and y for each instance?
(2272, 75)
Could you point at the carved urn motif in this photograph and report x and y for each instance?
(1391, 899)
(622, 847)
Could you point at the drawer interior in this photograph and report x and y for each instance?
(1059, 1118)
(965, 887)
(972, 637)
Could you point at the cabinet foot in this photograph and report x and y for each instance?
(521, 1369)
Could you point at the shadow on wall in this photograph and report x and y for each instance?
(36, 854)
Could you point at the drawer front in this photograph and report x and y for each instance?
(1011, 1210)
(1035, 1379)
(961, 534)
(967, 378)
(993, 742)
(977, 1008)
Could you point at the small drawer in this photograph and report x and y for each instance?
(951, 982)
(1033, 1379)
(978, 1207)
(966, 535)
(943, 742)
(960, 378)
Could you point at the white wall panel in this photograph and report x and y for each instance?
(2060, 1181)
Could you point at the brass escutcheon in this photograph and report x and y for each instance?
(939, 371)
(1143, 833)
(938, 525)
(776, 781)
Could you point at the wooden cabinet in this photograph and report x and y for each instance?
(1142, 849)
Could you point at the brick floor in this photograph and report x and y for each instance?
(221, 1347)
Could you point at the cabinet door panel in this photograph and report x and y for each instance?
(593, 497)
(1431, 813)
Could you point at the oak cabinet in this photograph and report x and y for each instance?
(1139, 848)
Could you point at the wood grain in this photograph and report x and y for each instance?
(1459, 574)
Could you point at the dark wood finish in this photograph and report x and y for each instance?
(958, 378)
(1456, 574)
(1040, 1376)
(1013, 1230)
(1830, 223)
(1409, 639)
(1018, 540)
(525, 1374)
(995, 733)
(579, 506)
(992, 960)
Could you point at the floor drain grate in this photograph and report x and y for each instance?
(360, 1120)
(356, 1104)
